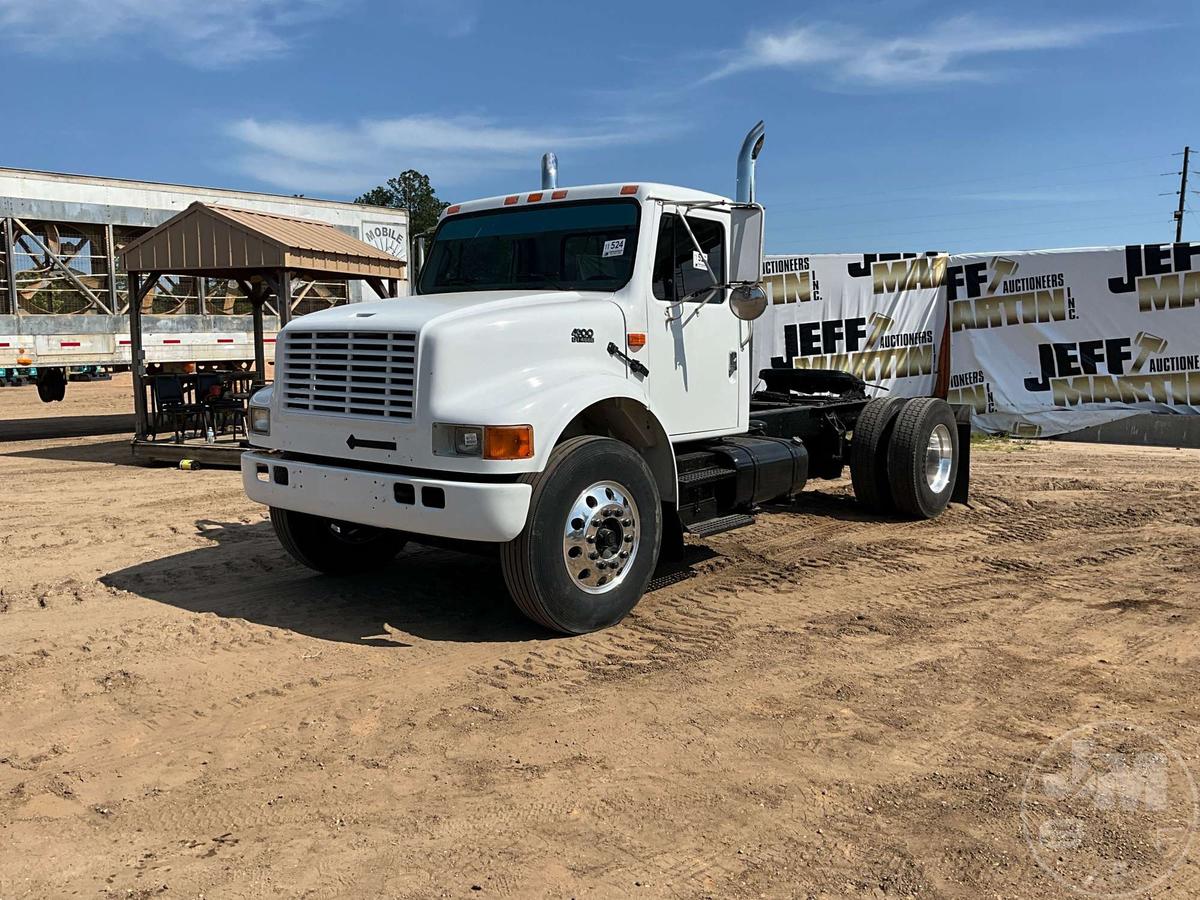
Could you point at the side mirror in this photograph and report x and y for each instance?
(746, 244)
(748, 301)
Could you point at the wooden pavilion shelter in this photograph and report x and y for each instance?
(261, 253)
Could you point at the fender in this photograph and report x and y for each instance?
(537, 364)
(615, 410)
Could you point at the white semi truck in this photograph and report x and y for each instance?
(570, 384)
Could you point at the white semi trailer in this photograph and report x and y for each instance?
(571, 385)
(64, 299)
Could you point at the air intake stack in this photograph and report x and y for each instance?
(751, 147)
(549, 172)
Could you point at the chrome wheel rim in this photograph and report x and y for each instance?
(601, 537)
(939, 456)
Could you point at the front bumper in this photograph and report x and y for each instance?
(470, 511)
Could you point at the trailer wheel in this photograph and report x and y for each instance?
(51, 385)
(923, 457)
(333, 547)
(869, 453)
(591, 540)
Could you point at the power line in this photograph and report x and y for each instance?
(973, 213)
(995, 244)
(916, 191)
(1023, 227)
(1020, 227)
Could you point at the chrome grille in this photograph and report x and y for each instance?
(350, 373)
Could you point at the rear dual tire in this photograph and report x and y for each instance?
(904, 456)
(869, 453)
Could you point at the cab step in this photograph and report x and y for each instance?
(709, 527)
(706, 475)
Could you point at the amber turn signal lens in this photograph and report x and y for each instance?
(637, 339)
(508, 442)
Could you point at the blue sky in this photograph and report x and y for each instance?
(898, 125)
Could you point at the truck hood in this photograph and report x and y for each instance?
(413, 313)
(494, 358)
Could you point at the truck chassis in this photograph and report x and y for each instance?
(597, 526)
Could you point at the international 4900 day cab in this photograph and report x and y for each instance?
(571, 384)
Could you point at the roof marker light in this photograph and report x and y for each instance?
(559, 195)
(509, 201)
(629, 189)
(535, 196)
(451, 210)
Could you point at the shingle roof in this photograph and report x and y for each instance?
(209, 238)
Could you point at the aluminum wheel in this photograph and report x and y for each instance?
(939, 458)
(601, 537)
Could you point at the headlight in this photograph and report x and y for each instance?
(468, 440)
(487, 441)
(260, 419)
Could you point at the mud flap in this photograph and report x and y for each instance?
(962, 483)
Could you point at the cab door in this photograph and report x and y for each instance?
(695, 357)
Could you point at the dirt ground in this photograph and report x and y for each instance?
(830, 706)
(83, 398)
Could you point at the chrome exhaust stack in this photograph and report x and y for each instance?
(549, 172)
(751, 147)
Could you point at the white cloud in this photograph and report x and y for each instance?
(948, 51)
(205, 33)
(351, 158)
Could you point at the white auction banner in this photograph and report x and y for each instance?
(1049, 342)
(876, 315)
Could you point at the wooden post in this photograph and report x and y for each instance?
(285, 297)
(142, 422)
(260, 353)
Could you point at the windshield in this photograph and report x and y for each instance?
(586, 246)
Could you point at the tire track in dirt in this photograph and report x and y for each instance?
(188, 707)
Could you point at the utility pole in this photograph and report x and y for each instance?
(1183, 174)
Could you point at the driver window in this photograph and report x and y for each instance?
(679, 271)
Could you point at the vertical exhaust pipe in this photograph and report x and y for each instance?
(549, 172)
(751, 147)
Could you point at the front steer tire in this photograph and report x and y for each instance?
(545, 567)
(921, 487)
(333, 547)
